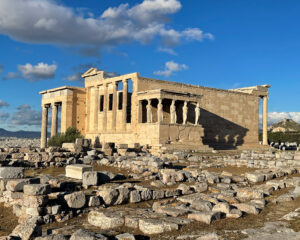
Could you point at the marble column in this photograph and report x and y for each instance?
(88, 109)
(173, 118)
(96, 108)
(265, 120)
(149, 112)
(54, 120)
(197, 113)
(114, 106)
(124, 103)
(184, 112)
(160, 115)
(105, 107)
(44, 126)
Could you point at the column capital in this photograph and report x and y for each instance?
(125, 81)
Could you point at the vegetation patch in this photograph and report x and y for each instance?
(68, 137)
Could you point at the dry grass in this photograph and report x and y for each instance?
(8, 221)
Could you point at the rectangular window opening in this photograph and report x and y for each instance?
(101, 103)
(120, 101)
(110, 106)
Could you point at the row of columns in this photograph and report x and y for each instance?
(114, 107)
(54, 122)
(173, 115)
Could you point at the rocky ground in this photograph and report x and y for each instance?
(119, 193)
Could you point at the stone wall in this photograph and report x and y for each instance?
(229, 119)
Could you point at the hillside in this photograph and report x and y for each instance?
(285, 125)
(19, 134)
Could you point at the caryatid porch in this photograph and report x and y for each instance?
(163, 106)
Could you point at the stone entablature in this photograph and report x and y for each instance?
(132, 109)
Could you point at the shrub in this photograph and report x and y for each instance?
(282, 137)
(68, 137)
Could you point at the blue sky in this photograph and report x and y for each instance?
(222, 44)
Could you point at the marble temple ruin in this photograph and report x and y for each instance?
(163, 115)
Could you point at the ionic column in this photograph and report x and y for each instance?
(184, 112)
(124, 103)
(173, 112)
(114, 109)
(44, 126)
(265, 120)
(160, 115)
(105, 106)
(88, 109)
(149, 112)
(54, 120)
(96, 107)
(197, 113)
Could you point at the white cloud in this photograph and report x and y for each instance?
(32, 73)
(3, 104)
(74, 77)
(1, 68)
(274, 117)
(25, 115)
(167, 50)
(170, 68)
(46, 21)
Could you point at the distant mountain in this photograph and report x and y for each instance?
(19, 134)
(285, 125)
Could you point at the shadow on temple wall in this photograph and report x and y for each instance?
(220, 133)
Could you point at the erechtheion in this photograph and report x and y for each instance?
(162, 115)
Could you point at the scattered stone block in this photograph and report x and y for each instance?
(255, 177)
(11, 172)
(75, 200)
(76, 171)
(82, 234)
(247, 208)
(155, 226)
(69, 146)
(16, 185)
(105, 221)
(125, 236)
(205, 217)
(37, 189)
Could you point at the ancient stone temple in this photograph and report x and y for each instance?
(163, 115)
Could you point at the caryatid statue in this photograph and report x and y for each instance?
(184, 112)
(197, 113)
(173, 112)
(149, 112)
(160, 115)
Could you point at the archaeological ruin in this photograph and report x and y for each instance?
(163, 115)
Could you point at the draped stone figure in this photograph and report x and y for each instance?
(197, 113)
(160, 116)
(149, 112)
(173, 112)
(184, 113)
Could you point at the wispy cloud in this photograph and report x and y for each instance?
(1, 68)
(50, 22)
(3, 104)
(167, 50)
(3, 117)
(170, 68)
(25, 115)
(33, 73)
(75, 77)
